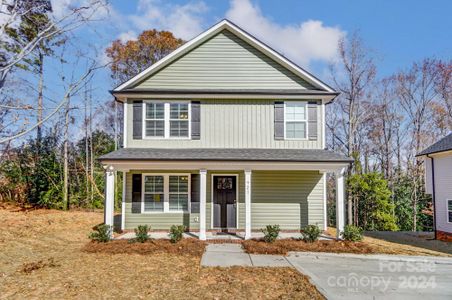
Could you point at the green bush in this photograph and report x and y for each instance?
(310, 233)
(141, 233)
(352, 233)
(102, 233)
(271, 232)
(176, 232)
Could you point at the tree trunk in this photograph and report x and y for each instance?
(87, 181)
(40, 99)
(65, 158)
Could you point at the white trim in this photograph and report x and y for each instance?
(124, 138)
(226, 165)
(236, 175)
(305, 103)
(248, 191)
(447, 211)
(123, 206)
(225, 24)
(323, 127)
(166, 193)
(166, 120)
(340, 201)
(325, 199)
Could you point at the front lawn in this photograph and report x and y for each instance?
(46, 254)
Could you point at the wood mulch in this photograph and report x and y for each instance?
(283, 246)
(189, 247)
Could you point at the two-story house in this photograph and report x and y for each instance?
(224, 134)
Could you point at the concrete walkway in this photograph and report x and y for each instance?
(351, 276)
(228, 255)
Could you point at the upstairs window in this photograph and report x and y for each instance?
(166, 119)
(295, 120)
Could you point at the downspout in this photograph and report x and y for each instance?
(433, 194)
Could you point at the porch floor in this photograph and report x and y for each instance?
(214, 236)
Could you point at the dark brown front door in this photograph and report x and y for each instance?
(224, 202)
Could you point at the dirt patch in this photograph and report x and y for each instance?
(283, 246)
(33, 266)
(191, 247)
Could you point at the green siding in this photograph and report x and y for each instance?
(224, 62)
(291, 199)
(248, 124)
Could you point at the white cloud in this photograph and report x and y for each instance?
(184, 21)
(127, 36)
(303, 43)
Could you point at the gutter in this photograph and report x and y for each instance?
(433, 194)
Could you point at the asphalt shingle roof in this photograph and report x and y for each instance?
(444, 144)
(295, 155)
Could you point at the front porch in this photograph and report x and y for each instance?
(210, 196)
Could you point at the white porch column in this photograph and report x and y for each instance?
(109, 196)
(247, 204)
(123, 205)
(340, 195)
(202, 204)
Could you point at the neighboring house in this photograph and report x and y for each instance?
(438, 183)
(224, 134)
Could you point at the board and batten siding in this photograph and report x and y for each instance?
(224, 62)
(443, 188)
(292, 199)
(231, 124)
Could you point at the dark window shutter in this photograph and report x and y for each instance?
(194, 193)
(195, 120)
(137, 120)
(136, 193)
(279, 120)
(312, 120)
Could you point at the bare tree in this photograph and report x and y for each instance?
(352, 76)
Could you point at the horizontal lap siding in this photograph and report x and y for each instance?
(232, 124)
(443, 190)
(291, 199)
(224, 62)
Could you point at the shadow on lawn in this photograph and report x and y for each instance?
(416, 239)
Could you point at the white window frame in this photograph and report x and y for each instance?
(167, 116)
(166, 193)
(447, 211)
(305, 103)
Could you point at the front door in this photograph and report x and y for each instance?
(224, 202)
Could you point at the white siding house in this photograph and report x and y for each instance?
(438, 183)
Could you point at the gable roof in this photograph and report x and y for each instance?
(240, 33)
(444, 144)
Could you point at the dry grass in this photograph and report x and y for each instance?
(186, 247)
(283, 246)
(385, 247)
(42, 256)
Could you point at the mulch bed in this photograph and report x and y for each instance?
(283, 246)
(191, 247)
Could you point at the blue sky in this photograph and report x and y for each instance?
(398, 32)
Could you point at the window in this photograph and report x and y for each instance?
(155, 119)
(179, 120)
(295, 120)
(166, 193)
(167, 119)
(178, 192)
(449, 211)
(153, 193)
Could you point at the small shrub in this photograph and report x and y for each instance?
(176, 232)
(141, 233)
(310, 233)
(271, 232)
(102, 233)
(352, 233)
